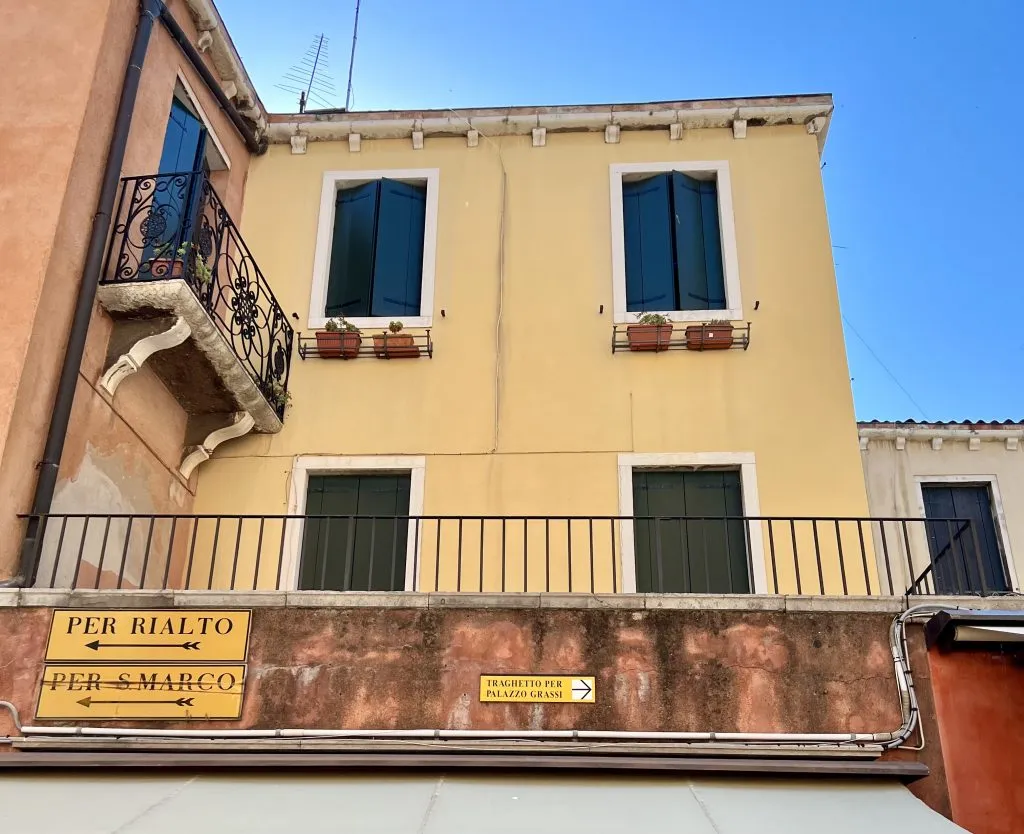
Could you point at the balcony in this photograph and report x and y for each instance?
(188, 299)
(513, 554)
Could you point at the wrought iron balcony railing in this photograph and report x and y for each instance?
(537, 554)
(174, 226)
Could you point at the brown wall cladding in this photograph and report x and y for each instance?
(681, 670)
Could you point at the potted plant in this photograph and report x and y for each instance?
(711, 335)
(394, 344)
(653, 331)
(339, 339)
(279, 396)
(161, 265)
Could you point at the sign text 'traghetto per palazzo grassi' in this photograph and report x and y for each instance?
(538, 688)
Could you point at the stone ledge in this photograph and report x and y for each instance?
(888, 605)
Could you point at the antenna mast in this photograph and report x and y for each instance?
(352, 59)
(309, 77)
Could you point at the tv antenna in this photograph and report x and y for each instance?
(309, 78)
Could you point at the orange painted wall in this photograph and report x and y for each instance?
(981, 727)
(56, 120)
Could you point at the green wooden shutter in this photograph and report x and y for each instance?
(698, 244)
(352, 251)
(398, 258)
(380, 544)
(327, 550)
(647, 235)
(665, 548)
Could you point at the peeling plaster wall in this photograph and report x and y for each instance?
(695, 670)
(51, 164)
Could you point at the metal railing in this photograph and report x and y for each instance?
(452, 554)
(175, 226)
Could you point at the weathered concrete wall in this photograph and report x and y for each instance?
(977, 698)
(55, 129)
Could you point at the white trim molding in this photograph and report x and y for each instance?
(744, 461)
(719, 171)
(333, 181)
(1002, 531)
(305, 465)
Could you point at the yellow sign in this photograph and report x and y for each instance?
(95, 692)
(533, 688)
(163, 634)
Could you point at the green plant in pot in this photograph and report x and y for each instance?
(279, 396)
(163, 266)
(340, 339)
(711, 335)
(652, 331)
(394, 344)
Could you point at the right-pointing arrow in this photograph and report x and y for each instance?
(581, 690)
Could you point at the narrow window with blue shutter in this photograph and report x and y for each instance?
(647, 229)
(398, 258)
(698, 244)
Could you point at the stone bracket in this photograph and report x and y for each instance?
(241, 425)
(130, 362)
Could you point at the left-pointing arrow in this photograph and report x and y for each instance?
(96, 645)
(181, 702)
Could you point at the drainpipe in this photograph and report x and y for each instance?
(149, 10)
(196, 60)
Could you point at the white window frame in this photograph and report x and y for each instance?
(333, 182)
(992, 482)
(744, 461)
(306, 465)
(719, 170)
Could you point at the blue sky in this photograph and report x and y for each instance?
(924, 174)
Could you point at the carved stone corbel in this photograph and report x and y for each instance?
(241, 425)
(130, 362)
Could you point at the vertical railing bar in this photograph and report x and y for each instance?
(502, 558)
(842, 562)
(81, 550)
(885, 555)
(977, 556)
(817, 555)
(481, 574)
(213, 552)
(657, 555)
(590, 531)
(748, 554)
(906, 546)
(728, 561)
(124, 552)
(191, 553)
(864, 558)
(394, 554)
(416, 556)
(60, 546)
(965, 587)
(771, 550)
(145, 557)
(280, 550)
(568, 555)
(259, 554)
(322, 554)
(613, 559)
(526, 560)
(238, 547)
(350, 556)
(458, 578)
(170, 548)
(547, 554)
(796, 556)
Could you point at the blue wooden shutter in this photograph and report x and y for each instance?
(701, 283)
(352, 251)
(184, 141)
(398, 258)
(647, 232)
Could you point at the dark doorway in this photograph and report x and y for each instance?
(963, 554)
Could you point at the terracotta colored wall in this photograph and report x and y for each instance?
(978, 705)
(130, 449)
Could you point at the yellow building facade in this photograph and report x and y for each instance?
(523, 407)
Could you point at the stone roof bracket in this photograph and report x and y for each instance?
(131, 362)
(675, 130)
(205, 41)
(816, 125)
(298, 143)
(417, 135)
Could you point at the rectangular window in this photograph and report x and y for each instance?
(961, 553)
(684, 542)
(376, 265)
(673, 245)
(346, 554)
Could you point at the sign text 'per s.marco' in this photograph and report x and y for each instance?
(143, 635)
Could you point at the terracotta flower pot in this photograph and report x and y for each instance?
(335, 344)
(709, 336)
(649, 336)
(395, 346)
(166, 267)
